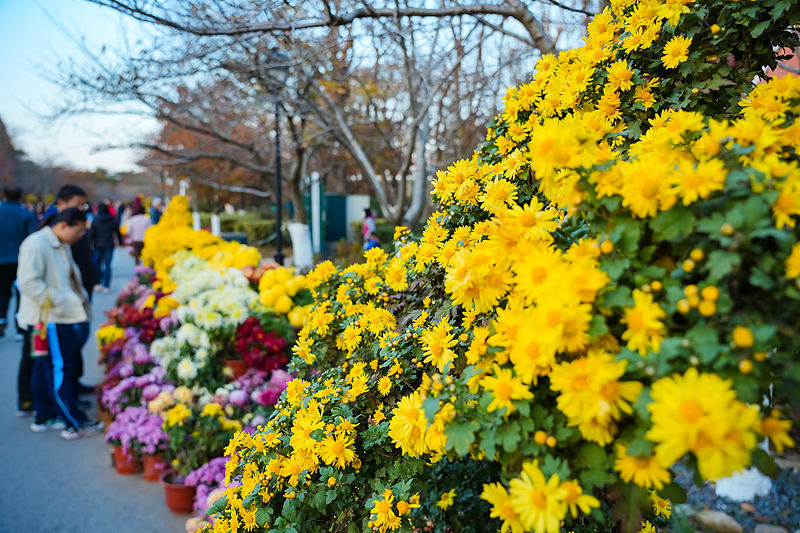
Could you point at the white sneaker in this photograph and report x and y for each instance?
(87, 429)
(51, 425)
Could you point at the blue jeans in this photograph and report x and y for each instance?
(102, 263)
(52, 379)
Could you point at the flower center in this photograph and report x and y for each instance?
(504, 390)
(691, 410)
(538, 499)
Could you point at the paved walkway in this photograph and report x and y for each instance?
(48, 485)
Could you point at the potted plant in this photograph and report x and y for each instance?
(208, 478)
(122, 435)
(261, 342)
(196, 435)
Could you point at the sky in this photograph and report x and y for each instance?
(30, 39)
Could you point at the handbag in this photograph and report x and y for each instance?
(39, 346)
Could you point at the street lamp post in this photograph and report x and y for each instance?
(278, 199)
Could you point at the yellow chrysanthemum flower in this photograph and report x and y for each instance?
(644, 470)
(676, 51)
(538, 502)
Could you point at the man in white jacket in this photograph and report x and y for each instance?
(53, 294)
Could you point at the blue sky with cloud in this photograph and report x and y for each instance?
(29, 40)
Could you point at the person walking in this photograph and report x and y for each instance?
(137, 226)
(54, 299)
(18, 223)
(70, 196)
(102, 234)
(369, 226)
(155, 210)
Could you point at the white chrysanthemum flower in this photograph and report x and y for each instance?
(201, 354)
(187, 370)
(203, 341)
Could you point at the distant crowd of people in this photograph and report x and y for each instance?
(53, 260)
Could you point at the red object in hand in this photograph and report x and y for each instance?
(40, 346)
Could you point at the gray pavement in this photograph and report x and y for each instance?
(49, 485)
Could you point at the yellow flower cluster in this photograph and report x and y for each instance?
(174, 233)
(109, 334)
(387, 515)
(699, 414)
(538, 321)
(536, 503)
(277, 287)
(591, 395)
(177, 415)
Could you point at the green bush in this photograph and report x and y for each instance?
(256, 230)
(256, 225)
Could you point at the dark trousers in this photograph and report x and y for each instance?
(102, 263)
(52, 380)
(82, 335)
(8, 275)
(24, 394)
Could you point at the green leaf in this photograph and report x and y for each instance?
(488, 443)
(771, 232)
(764, 463)
(318, 500)
(702, 335)
(625, 234)
(262, 516)
(674, 493)
(640, 447)
(598, 327)
(674, 224)
(641, 403)
(596, 478)
(553, 465)
(218, 506)
(619, 297)
(511, 438)
(460, 435)
(430, 406)
(760, 28)
(593, 454)
(331, 495)
(721, 263)
(615, 267)
(780, 8)
(762, 334)
(704, 342)
(711, 225)
(759, 279)
(755, 212)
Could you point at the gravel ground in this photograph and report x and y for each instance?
(780, 507)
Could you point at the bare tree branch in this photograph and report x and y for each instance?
(515, 9)
(234, 188)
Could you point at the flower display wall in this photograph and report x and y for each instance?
(607, 290)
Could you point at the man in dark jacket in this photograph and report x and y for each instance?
(18, 223)
(74, 196)
(102, 234)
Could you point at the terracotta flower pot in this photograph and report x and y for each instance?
(125, 462)
(179, 498)
(154, 466)
(238, 367)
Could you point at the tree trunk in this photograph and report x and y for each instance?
(414, 212)
(296, 193)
